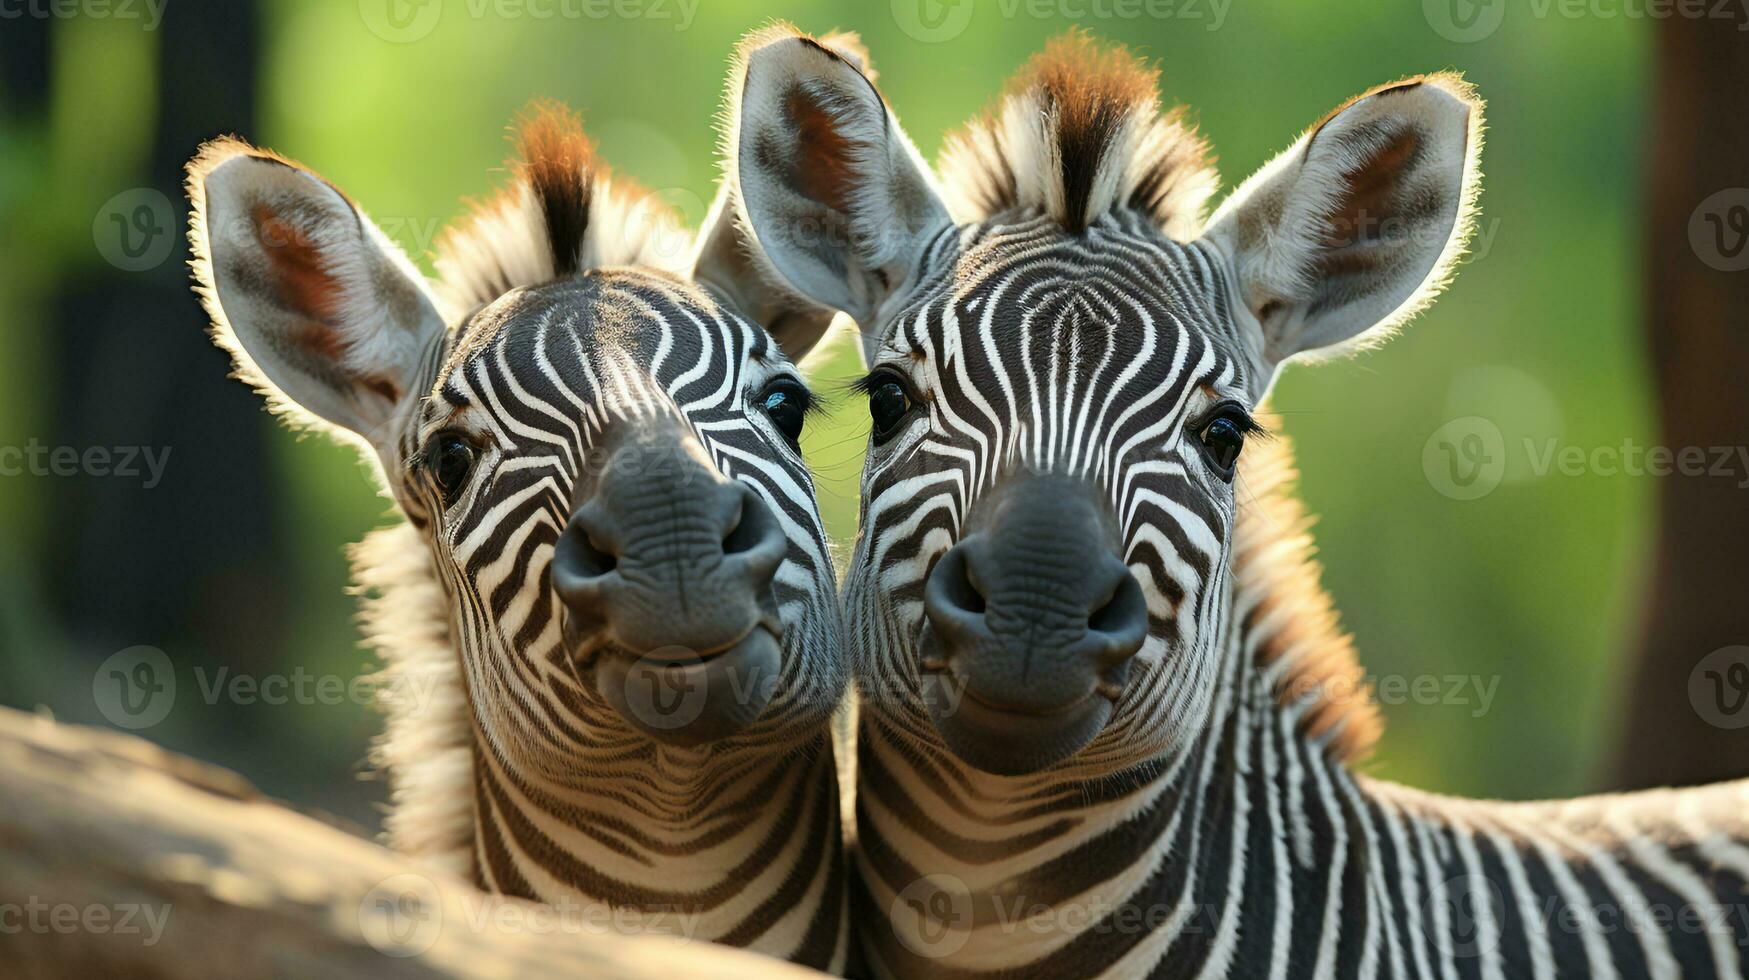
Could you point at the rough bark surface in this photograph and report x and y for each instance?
(103, 834)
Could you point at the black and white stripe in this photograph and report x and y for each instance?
(1206, 831)
(736, 843)
(1063, 308)
(565, 312)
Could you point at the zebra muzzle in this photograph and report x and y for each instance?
(1030, 622)
(667, 593)
(677, 697)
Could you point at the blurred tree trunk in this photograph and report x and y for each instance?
(197, 564)
(1678, 732)
(190, 564)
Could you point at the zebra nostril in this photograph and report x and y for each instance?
(1120, 623)
(951, 598)
(755, 538)
(583, 558)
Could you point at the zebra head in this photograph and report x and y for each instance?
(601, 455)
(1065, 360)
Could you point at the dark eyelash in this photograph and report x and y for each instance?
(812, 404)
(1248, 426)
(866, 384)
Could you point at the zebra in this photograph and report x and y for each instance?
(1109, 724)
(609, 620)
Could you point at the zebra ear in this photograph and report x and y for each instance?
(733, 268)
(1355, 227)
(317, 307)
(830, 188)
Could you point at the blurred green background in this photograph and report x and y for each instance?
(1532, 585)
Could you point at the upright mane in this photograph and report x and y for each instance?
(1290, 624)
(562, 212)
(1078, 134)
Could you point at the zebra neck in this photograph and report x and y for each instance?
(747, 853)
(1256, 853)
(1070, 873)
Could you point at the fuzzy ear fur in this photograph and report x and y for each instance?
(319, 310)
(730, 263)
(730, 266)
(1355, 228)
(830, 189)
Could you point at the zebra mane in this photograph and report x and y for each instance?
(1291, 625)
(563, 212)
(426, 748)
(1079, 134)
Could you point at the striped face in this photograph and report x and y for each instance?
(608, 474)
(1108, 366)
(602, 456)
(1065, 357)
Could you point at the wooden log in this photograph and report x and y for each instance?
(118, 858)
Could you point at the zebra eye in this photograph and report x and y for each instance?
(1222, 437)
(449, 458)
(888, 404)
(786, 403)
